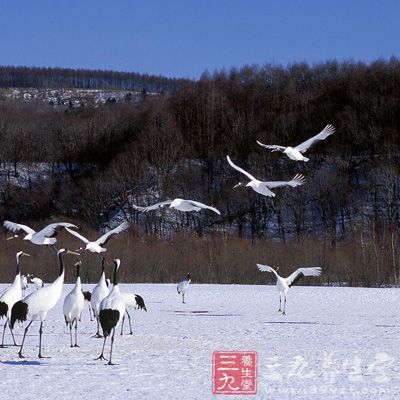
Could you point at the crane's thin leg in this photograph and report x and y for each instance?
(122, 324)
(101, 356)
(12, 334)
(76, 333)
(98, 327)
(23, 340)
(183, 297)
(112, 343)
(97, 335)
(40, 340)
(284, 306)
(280, 302)
(129, 319)
(4, 332)
(90, 312)
(54, 248)
(70, 333)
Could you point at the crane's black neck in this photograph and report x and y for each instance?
(115, 273)
(102, 264)
(61, 262)
(78, 266)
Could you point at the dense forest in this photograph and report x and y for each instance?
(36, 77)
(92, 164)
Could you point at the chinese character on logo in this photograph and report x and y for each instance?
(234, 372)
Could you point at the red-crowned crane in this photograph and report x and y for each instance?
(99, 292)
(182, 286)
(112, 309)
(283, 284)
(36, 305)
(73, 305)
(178, 204)
(97, 245)
(132, 301)
(296, 153)
(10, 296)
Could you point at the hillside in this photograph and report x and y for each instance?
(73, 98)
(68, 78)
(102, 157)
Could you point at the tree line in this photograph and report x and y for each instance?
(42, 77)
(100, 161)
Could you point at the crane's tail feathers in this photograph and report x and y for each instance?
(108, 320)
(87, 295)
(140, 302)
(18, 312)
(3, 309)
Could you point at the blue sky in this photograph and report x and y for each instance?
(183, 38)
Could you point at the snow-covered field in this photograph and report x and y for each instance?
(334, 343)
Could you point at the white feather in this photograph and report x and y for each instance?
(37, 282)
(99, 292)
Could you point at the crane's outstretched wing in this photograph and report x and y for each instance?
(107, 236)
(201, 205)
(251, 177)
(327, 131)
(296, 181)
(15, 228)
(78, 235)
(299, 273)
(266, 268)
(273, 147)
(53, 229)
(153, 207)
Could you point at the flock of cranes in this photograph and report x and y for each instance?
(106, 304)
(110, 306)
(36, 305)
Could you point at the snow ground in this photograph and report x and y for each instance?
(334, 343)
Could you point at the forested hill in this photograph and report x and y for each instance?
(90, 164)
(36, 77)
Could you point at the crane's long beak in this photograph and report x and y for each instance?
(237, 185)
(11, 237)
(26, 254)
(72, 252)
